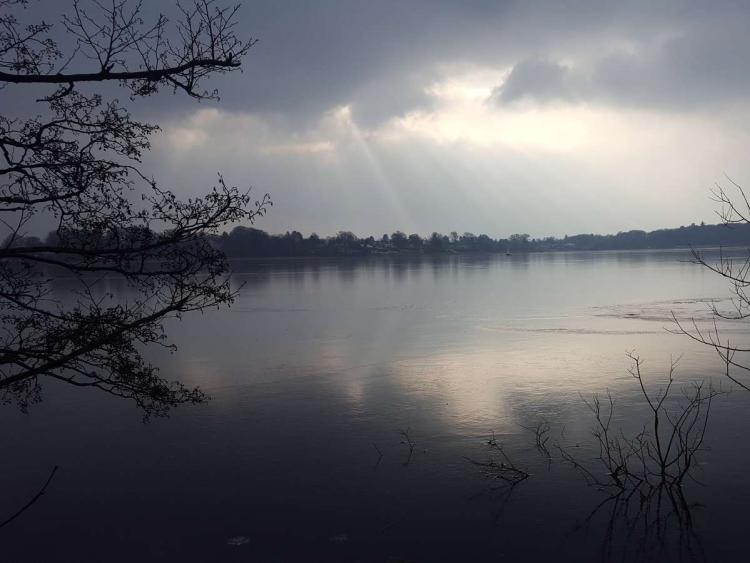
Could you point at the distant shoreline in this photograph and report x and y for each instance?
(248, 242)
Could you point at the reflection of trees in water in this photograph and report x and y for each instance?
(503, 473)
(498, 495)
(500, 466)
(652, 524)
(644, 513)
(350, 269)
(648, 515)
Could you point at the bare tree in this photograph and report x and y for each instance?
(734, 210)
(663, 453)
(504, 470)
(643, 474)
(76, 163)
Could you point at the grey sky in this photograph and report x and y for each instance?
(498, 117)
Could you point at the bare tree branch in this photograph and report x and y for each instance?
(77, 163)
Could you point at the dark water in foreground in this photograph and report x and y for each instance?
(317, 370)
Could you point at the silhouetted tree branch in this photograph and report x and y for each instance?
(119, 45)
(77, 164)
(734, 211)
(663, 453)
(643, 474)
(31, 501)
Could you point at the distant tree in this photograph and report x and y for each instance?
(399, 240)
(345, 243)
(484, 243)
(415, 242)
(468, 238)
(519, 242)
(292, 243)
(437, 243)
(247, 241)
(632, 239)
(75, 162)
(347, 237)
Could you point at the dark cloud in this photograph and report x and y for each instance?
(695, 60)
(703, 66)
(379, 57)
(538, 79)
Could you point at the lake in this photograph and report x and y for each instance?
(363, 410)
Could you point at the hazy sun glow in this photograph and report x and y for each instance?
(465, 113)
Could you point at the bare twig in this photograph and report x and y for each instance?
(35, 498)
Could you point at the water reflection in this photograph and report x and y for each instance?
(316, 371)
(644, 473)
(657, 527)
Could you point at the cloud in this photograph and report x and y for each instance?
(380, 57)
(538, 79)
(695, 70)
(694, 63)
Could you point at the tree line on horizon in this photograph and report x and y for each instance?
(246, 242)
(249, 242)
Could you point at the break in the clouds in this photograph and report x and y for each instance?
(539, 117)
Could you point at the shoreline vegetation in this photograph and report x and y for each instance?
(247, 242)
